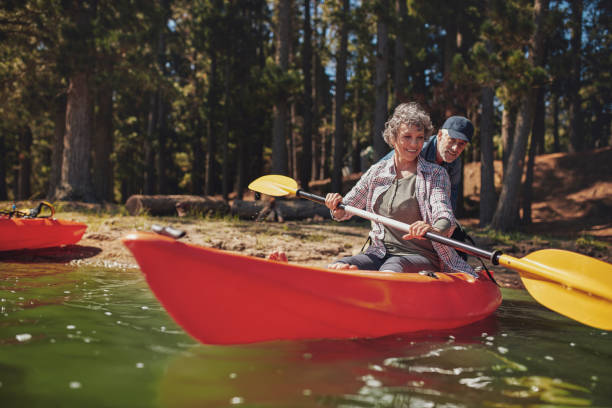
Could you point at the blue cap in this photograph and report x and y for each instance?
(459, 127)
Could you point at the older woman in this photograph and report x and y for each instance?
(409, 189)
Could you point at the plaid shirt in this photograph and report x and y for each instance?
(432, 194)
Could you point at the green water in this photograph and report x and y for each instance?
(75, 336)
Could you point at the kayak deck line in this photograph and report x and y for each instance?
(220, 297)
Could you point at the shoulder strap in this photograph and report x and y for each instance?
(367, 243)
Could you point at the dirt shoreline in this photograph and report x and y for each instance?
(306, 243)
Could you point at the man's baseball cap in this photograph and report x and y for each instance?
(459, 127)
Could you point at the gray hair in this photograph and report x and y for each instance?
(410, 114)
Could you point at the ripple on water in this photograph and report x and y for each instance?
(23, 337)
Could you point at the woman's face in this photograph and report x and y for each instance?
(409, 142)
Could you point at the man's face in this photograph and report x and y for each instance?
(449, 149)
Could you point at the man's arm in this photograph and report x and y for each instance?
(454, 196)
(454, 172)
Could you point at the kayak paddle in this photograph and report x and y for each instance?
(574, 285)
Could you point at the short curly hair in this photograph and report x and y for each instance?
(410, 114)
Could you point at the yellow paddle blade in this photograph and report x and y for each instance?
(274, 185)
(580, 306)
(574, 285)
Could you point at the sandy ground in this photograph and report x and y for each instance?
(306, 243)
(572, 194)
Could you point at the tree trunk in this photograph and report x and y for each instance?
(355, 150)
(400, 74)
(103, 144)
(575, 101)
(198, 158)
(506, 214)
(25, 164)
(323, 173)
(380, 88)
(293, 141)
(487, 170)
(196, 143)
(253, 153)
(211, 146)
(340, 95)
(174, 204)
(243, 153)
(3, 191)
(306, 159)
(149, 153)
(59, 128)
(474, 148)
(555, 115)
(602, 117)
(316, 98)
(161, 167)
(226, 180)
(279, 137)
(75, 182)
(539, 120)
(163, 133)
(528, 183)
(536, 146)
(508, 128)
(450, 48)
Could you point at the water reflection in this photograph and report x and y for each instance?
(472, 366)
(516, 358)
(60, 255)
(71, 336)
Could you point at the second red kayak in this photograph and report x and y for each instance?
(225, 298)
(37, 233)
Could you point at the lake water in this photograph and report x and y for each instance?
(79, 336)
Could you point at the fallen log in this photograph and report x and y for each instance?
(278, 210)
(158, 205)
(323, 186)
(196, 205)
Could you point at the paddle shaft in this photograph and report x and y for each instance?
(574, 285)
(468, 249)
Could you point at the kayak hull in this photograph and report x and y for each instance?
(225, 298)
(37, 233)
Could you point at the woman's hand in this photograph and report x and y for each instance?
(332, 200)
(418, 229)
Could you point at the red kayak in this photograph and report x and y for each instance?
(225, 298)
(37, 233)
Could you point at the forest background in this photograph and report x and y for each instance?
(104, 99)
